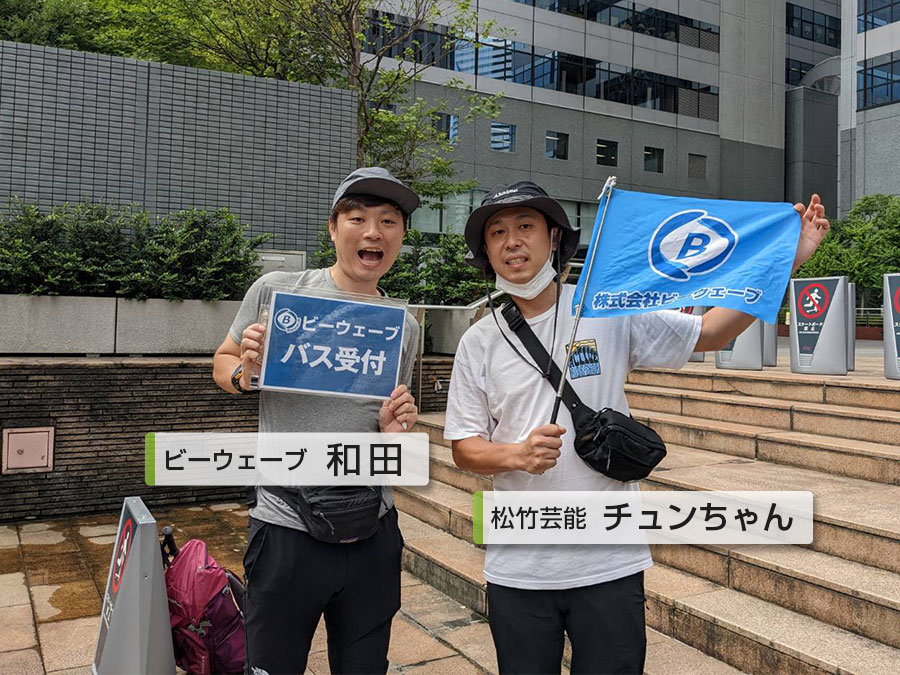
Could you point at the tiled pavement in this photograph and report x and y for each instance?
(53, 575)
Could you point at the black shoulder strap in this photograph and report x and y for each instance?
(520, 327)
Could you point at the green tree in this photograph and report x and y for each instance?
(78, 249)
(406, 278)
(130, 28)
(192, 254)
(447, 276)
(324, 255)
(864, 246)
(351, 45)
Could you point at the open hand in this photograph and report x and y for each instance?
(813, 228)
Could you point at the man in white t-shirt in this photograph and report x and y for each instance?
(497, 412)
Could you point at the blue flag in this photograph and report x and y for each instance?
(660, 252)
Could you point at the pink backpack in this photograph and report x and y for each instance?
(205, 611)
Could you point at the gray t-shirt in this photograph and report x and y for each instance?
(286, 412)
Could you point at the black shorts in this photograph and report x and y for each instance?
(292, 579)
(604, 622)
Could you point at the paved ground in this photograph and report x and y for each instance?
(53, 575)
(869, 361)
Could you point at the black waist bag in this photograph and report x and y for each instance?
(335, 514)
(617, 446)
(612, 443)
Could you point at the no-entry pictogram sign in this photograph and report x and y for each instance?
(123, 548)
(812, 301)
(897, 302)
(134, 633)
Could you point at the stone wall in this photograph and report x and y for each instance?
(74, 125)
(100, 410)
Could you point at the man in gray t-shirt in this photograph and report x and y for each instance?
(293, 578)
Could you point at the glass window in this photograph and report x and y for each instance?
(795, 70)
(503, 60)
(463, 57)
(426, 219)
(557, 145)
(586, 220)
(815, 26)
(456, 211)
(574, 8)
(447, 125)
(607, 152)
(653, 159)
(546, 69)
(503, 137)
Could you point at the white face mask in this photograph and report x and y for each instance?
(530, 289)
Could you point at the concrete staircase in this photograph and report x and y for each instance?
(831, 607)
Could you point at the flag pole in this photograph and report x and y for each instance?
(586, 272)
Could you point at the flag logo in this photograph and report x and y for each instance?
(690, 243)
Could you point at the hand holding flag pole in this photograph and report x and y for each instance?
(607, 190)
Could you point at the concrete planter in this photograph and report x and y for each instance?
(172, 327)
(75, 325)
(57, 325)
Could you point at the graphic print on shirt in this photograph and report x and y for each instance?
(585, 359)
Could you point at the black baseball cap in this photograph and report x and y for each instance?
(521, 193)
(377, 182)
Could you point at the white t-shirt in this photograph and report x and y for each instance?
(495, 395)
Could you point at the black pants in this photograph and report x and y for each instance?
(604, 622)
(292, 579)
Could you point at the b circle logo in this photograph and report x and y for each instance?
(689, 243)
(287, 321)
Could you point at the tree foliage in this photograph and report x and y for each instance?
(405, 279)
(421, 274)
(864, 246)
(99, 250)
(76, 249)
(203, 255)
(130, 28)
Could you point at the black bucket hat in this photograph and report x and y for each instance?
(521, 193)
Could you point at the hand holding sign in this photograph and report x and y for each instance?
(399, 412)
(251, 349)
(327, 342)
(813, 228)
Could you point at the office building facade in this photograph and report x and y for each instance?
(869, 109)
(671, 96)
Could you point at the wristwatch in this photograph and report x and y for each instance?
(236, 379)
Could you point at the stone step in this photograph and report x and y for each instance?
(444, 469)
(854, 519)
(750, 634)
(853, 596)
(866, 460)
(855, 390)
(877, 426)
(754, 635)
(858, 598)
(668, 656)
(879, 462)
(433, 425)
